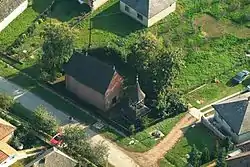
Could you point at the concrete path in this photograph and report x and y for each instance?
(31, 101)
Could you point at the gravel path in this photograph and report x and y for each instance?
(30, 101)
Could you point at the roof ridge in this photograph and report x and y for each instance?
(246, 114)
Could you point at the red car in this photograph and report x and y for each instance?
(57, 139)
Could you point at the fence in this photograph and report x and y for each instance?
(212, 128)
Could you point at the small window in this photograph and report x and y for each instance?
(139, 16)
(114, 100)
(127, 9)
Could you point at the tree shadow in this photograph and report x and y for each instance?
(113, 20)
(63, 10)
(200, 136)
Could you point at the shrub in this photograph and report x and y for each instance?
(6, 101)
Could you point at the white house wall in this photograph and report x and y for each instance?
(161, 15)
(98, 3)
(132, 13)
(13, 15)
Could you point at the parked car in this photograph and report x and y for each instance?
(241, 76)
(57, 139)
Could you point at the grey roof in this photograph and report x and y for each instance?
(51, 158)
(236, 112)
(8, 6)
(90, 71)
(148, 8)
(135, 93)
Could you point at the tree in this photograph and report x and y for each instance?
(157, 65)
(57, 49)
(43, 120)
(227, 143)
(221, 160)
(216, 149)
(194, 157)
(205, 156)
(170, 102)
(79, 147)
(6, 101)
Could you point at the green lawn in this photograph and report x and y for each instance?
(145, 141)
(206, 57)
(199, 135)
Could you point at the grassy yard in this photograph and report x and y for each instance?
(145, 140)
(213, 44)
(214, 48)
(199, 135)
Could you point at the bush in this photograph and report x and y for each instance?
(6, 101)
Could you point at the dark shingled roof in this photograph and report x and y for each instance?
(53, 157)
(236, 112)
(90, 71)
(148, 8)
(7, 7)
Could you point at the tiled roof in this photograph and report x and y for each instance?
(8, 6)
(236, 112)
(3, 156)
(90, 71)
(5, 128)
(148, 8)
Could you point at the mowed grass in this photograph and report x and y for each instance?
(145, 140)
(199, 135)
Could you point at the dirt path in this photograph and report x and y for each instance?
(151, 157)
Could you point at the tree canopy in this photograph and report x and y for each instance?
(78, 146)
(57, 49)
(43, 120)
(6, 101)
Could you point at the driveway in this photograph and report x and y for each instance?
(30, 101)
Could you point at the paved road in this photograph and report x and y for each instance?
(31, 101)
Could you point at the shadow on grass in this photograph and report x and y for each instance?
(231, 83)
(200, 136)
(112, 20)
(63, 10)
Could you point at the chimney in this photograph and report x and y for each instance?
(86, 53)
(114, 68)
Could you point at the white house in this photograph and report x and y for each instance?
(147, 12)
(9, 10)
(94, 4)
(234, 116)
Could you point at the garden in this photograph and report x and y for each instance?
(212, 55)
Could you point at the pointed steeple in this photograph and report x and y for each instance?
(139, 95)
